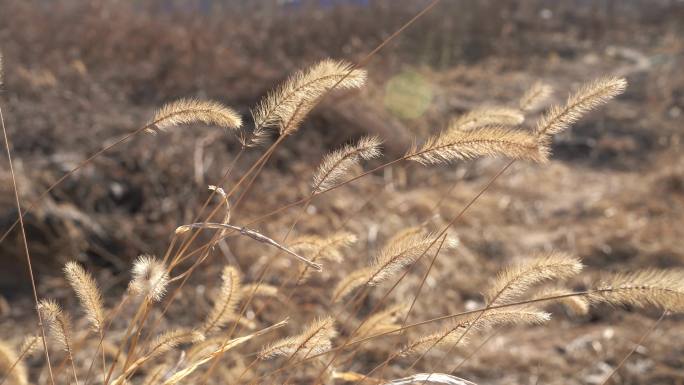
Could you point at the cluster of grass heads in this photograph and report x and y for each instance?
(324, 349)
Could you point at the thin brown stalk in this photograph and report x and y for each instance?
(25, 244)
(636, 346)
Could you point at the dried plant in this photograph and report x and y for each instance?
(535, 96)
(286, 106)
(316, 338)
(322, 249)
(661, 288)
(336, 164)
(12, 367)
(260, 290)
(188, 111)
(576, 304)
(457, 333)
(175, 354)
(395, 256)
(58, 322)
(588, 97)
(517, 279)
(88, 294)
(225, 302)
(150, 278)
(455, 144)
(191, 368)
(59, 325)
(383, 321)
(170, 340)
(350, 282)
(487, 116)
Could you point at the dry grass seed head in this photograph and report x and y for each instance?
(188, 111)
(154, 375)
(322, 249)
(660, 288)
(59, 323)
(87, 292)
(445, 337)
(337, 164)
(487, 116)
(397, 255)
(170, 340)
(12, 367)
(228, 297)
(31, 345)
(535, 96)
(382, 321)
(289, 103)
(514, 281)
(576, 304)
(456, 333)
(494, 141)
(351, 281)
(260, 290)
(586, 98)
(149, 278)
(315, 339)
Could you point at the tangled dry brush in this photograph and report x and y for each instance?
(325, 349)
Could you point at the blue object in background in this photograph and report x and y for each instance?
(332, 3)
(327, 3)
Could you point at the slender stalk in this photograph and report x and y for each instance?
(636, 346)
(25, 244)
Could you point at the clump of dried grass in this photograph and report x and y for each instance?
(177, 354)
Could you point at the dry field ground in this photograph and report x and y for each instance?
(79, 75)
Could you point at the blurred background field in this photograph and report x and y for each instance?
(79, 74)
